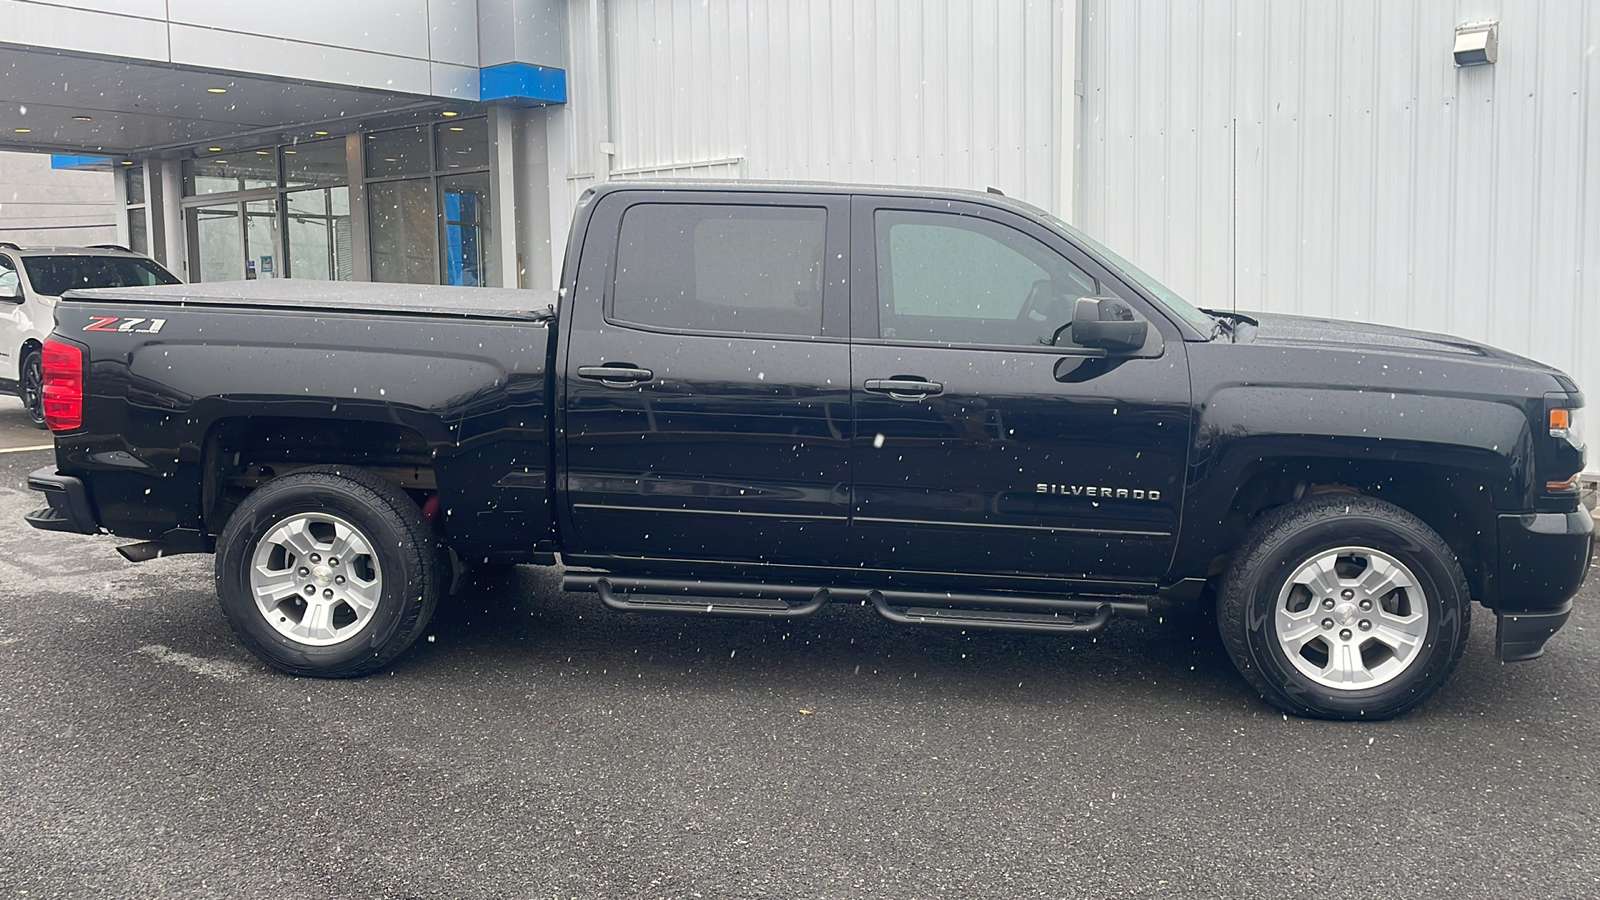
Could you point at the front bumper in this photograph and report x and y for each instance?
(1544, 558)
(69, 508)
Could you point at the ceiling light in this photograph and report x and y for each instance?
(263, 152)
(216, 90)
(82, 119)
(291, 151)
(449, 112)
(319, 133)
(22, 130)
(390, 159)
(214, 149)
(127, 162)
(457, 128)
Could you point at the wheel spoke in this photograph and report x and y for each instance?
(1319, 576)
(1295, 639)
(1345, 665)
(1381, 577)
(347, 544)
(1401, 637)
(272, 586)
(318, 620)
(296, 537)
(363, 598)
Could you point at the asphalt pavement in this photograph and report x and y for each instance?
(537, 745)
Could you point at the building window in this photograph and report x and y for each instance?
(273, 212)
(428, 203)
(138, 230)
(404, 248)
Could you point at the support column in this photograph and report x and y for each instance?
(360, 238)
(505, 164)
(119, 201)
(164, 204)
(150, 171)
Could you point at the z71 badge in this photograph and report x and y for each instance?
(129, 326)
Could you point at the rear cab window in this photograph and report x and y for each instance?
(721, 268)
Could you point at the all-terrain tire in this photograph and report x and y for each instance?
(1344, 607)
(302, 609)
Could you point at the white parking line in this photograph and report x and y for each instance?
(22, 449)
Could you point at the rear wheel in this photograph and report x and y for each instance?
(329, 572)
(30, 388)
(1344, 607)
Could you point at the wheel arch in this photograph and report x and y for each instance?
(244, 452)
(1456, 502)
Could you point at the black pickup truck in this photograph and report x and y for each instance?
(753, 399)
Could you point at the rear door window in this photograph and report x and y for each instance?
(721, 268)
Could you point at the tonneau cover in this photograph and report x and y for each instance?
(342, 296)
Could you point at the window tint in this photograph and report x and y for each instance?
(703, 267)
(55, 275)
(950, 278)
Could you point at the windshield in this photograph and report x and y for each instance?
(1204, 323)
(55, 275)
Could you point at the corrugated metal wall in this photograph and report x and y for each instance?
(964, 93)
(1375, 180)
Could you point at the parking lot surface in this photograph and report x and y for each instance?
(537, 745)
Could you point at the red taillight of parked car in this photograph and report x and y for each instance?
(62, 365)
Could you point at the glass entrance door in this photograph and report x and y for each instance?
(215, 243)
(262, 256)
(235, 241)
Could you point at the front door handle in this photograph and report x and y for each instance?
(618, 375)
(904, 387)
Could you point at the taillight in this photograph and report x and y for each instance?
(62, 364)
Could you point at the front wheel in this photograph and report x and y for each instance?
(330, 572)
(1344, 607)
(30, 388)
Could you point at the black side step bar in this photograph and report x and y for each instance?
(1060, 617)
(716, 599)
(1003, 612)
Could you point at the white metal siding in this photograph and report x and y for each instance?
(963, 93)
(1375, 180)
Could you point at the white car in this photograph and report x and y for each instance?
(30, 283)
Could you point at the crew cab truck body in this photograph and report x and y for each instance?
(752, 399)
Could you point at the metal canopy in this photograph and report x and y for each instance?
(138, 108)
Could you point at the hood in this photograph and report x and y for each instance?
(1273, 329)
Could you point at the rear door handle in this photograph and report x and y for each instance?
(616, 374)
(904, 388)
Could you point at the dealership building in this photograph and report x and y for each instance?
(1425, 163)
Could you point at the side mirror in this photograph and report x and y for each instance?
(1109, 324)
